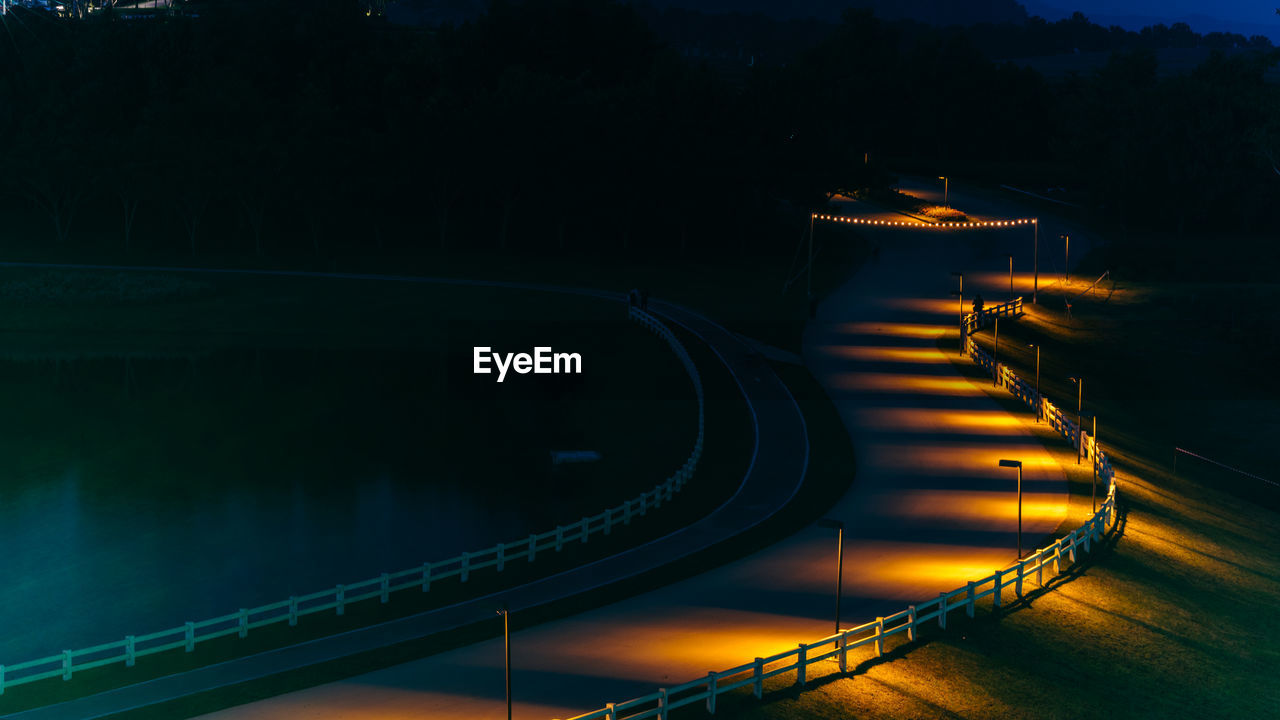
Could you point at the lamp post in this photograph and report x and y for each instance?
(506, 643)
(1017, 464)
(1039, 402)
(1035, 263)
(1010, 256)
(1066, 257)
(1079, 381)
(960, 294)
(946, 189)
(838, 526)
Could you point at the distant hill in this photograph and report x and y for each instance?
(933, 12)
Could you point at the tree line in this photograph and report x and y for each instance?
(570, 126)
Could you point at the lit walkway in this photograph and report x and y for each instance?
(929, 509)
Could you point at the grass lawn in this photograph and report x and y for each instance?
(1174, 617)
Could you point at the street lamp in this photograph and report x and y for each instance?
(1017, 464)
(506, 642)
(1035, 263)
(1039, 402)
(1010, 256)
(1079, 381)
(946, 187)
(1066, 257)
(838, 526)
(960, 294)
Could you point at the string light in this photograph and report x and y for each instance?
(946, 224)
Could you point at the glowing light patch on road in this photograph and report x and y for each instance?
(904, 330)
(905, 383)
(977, 422)
(970, 459)
(938, 306)
(977, 508)
(1023, 282)
(886, 354)
(889, 569)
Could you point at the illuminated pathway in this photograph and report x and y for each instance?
(929, 509)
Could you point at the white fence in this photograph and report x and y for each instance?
(996, 586)
(336, 599)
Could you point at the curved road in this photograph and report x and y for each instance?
(929, 509)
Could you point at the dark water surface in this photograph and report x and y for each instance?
(140, 492)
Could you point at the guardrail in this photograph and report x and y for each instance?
(336, 599)
(753, 674)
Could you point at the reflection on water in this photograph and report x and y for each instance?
(137, 494)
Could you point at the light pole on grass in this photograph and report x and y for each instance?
(1017, 464)
(1066, 257)
(1079, 381)
(1035, 263)
(1010, 256)
(838, 526)
(946, 190)
(1039, 402)
(506, 644)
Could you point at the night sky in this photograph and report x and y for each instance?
(1247, 17)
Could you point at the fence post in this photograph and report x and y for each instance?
(1057, 557)
(66, 664)
(626, 513)
(1088, 536)
(801, 661)
(1, 679)
(130, 651)
(911, 619)
(608, 520)
(466, 566)
(879, 637)
(757, 687)
(644, 503)
(426, 577)
(244, 622)
(657, 498)
(1071, 547)
(995, 598)
(711, 692)
(1017, 588)
(662, 704)
(533, 547)
(191, 636)
(844, 651)
(584, 530)
(502, 556)
(341, 600)
(293, 610)
(942, 611)
(559, 538)
(611, 711)
(972, 600)
(385, 587)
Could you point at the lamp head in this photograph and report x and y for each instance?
(1011, 463)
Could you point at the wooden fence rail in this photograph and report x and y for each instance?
(68, 662)
(1013, 579)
